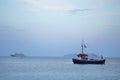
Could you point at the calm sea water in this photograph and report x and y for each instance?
(56, 69)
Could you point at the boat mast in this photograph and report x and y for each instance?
(82, 45)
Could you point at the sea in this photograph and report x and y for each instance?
(38, 68)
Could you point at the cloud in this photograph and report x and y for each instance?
(59, 5)
(100, 13)
(6, 27)
(87, 7)
(77, 11)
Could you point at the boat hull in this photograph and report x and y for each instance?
(78, 61)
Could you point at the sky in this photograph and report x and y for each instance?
(57, 27)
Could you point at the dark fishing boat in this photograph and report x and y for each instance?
(83, 58)
(78, 61)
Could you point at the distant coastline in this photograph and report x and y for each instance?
(64, 56)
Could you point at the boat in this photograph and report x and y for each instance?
(17, 55)
(82, 58)
(77, 61)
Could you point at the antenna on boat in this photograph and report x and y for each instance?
(83, 46)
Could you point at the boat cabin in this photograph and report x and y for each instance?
(83, 56)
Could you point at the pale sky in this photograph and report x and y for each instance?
(57, 27)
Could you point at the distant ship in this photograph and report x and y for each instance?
(83, 58)
(17, 55)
